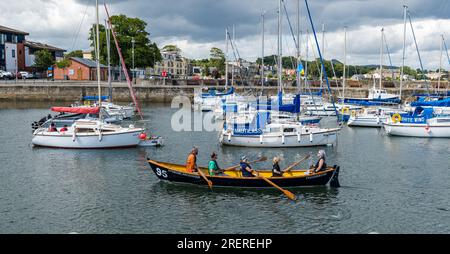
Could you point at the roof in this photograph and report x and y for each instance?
(38, 45)
(5, 29)
(87, 62)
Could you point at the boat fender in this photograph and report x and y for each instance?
(310, 137)
(229, 136)
(100, 136)
(378, 119)
(74, 136)
(334, 182)
(282, 139)
(428, 129)
(261, 139)
(299, 137)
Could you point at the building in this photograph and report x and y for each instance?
(173, 63)
(11, 49)
(81, 69)
(30, 49)
(18, 54)
(87, 55)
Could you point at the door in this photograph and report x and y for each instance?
(79, 74)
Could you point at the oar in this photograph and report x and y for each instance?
(264, 158)
(200, 172)
(289, 194)
(295, 164)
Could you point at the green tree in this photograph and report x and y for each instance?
(146, 53)
(75, 53)
(43, 60)
(171, 48)
(63, 64)
(217, 60)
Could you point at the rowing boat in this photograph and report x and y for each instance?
(294, 178)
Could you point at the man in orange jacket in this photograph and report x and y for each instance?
(191, 164)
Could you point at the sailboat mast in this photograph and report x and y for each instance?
(381, 58)
(262, 47)
(280, 46)
(404, 49)
(108, 46)
(98, 57)
(232, 66)
(226, 58)
(299, 60)
(344, 74)
(440, 63)
(306, 59)
(323, 54)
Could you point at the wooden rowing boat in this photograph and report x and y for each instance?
(294, 178)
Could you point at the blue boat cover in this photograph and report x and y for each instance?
(438, 103)
(214, 93)
(95, 98)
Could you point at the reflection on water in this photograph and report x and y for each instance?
(390, 185)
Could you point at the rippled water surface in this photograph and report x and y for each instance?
(389, 185)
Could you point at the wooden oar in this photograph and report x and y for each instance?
(200, 172)
(295, 164)
(264, 158)
(289, 194)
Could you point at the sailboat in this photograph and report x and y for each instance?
(263, 132)
(88, 133)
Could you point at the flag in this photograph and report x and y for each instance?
(300, 69)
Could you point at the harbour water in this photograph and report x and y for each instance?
(389, 185)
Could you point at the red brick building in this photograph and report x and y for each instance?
(81, 69)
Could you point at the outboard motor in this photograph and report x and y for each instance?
(334, 182)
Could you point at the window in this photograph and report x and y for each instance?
(2, 54)
(2, 39)
(13, 53)
(14, 38)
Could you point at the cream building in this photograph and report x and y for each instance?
(173, 63)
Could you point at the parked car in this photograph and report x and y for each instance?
(6, 75)
(26, 75)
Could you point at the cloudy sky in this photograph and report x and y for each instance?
(197, 25)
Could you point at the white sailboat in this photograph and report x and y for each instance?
(85, 133)
(422, 123)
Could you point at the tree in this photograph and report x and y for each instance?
(146, 53)
(217, 60)
(63, 64)
(75, 53)
(43, 60)
(171, 48)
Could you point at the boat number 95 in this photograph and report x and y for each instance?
(161, 173)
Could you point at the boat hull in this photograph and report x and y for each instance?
(418, 130)
(275, 141)
(82, 141)
(166, 173)
(366, 122)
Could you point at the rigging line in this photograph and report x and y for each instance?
(418, 53)
(389, 55)
(290, 25)
(79, 27)
(321, 60)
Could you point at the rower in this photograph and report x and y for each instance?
(191, 164)
(320, 165)
(213, 167)
(246, 169)
(276, 171)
